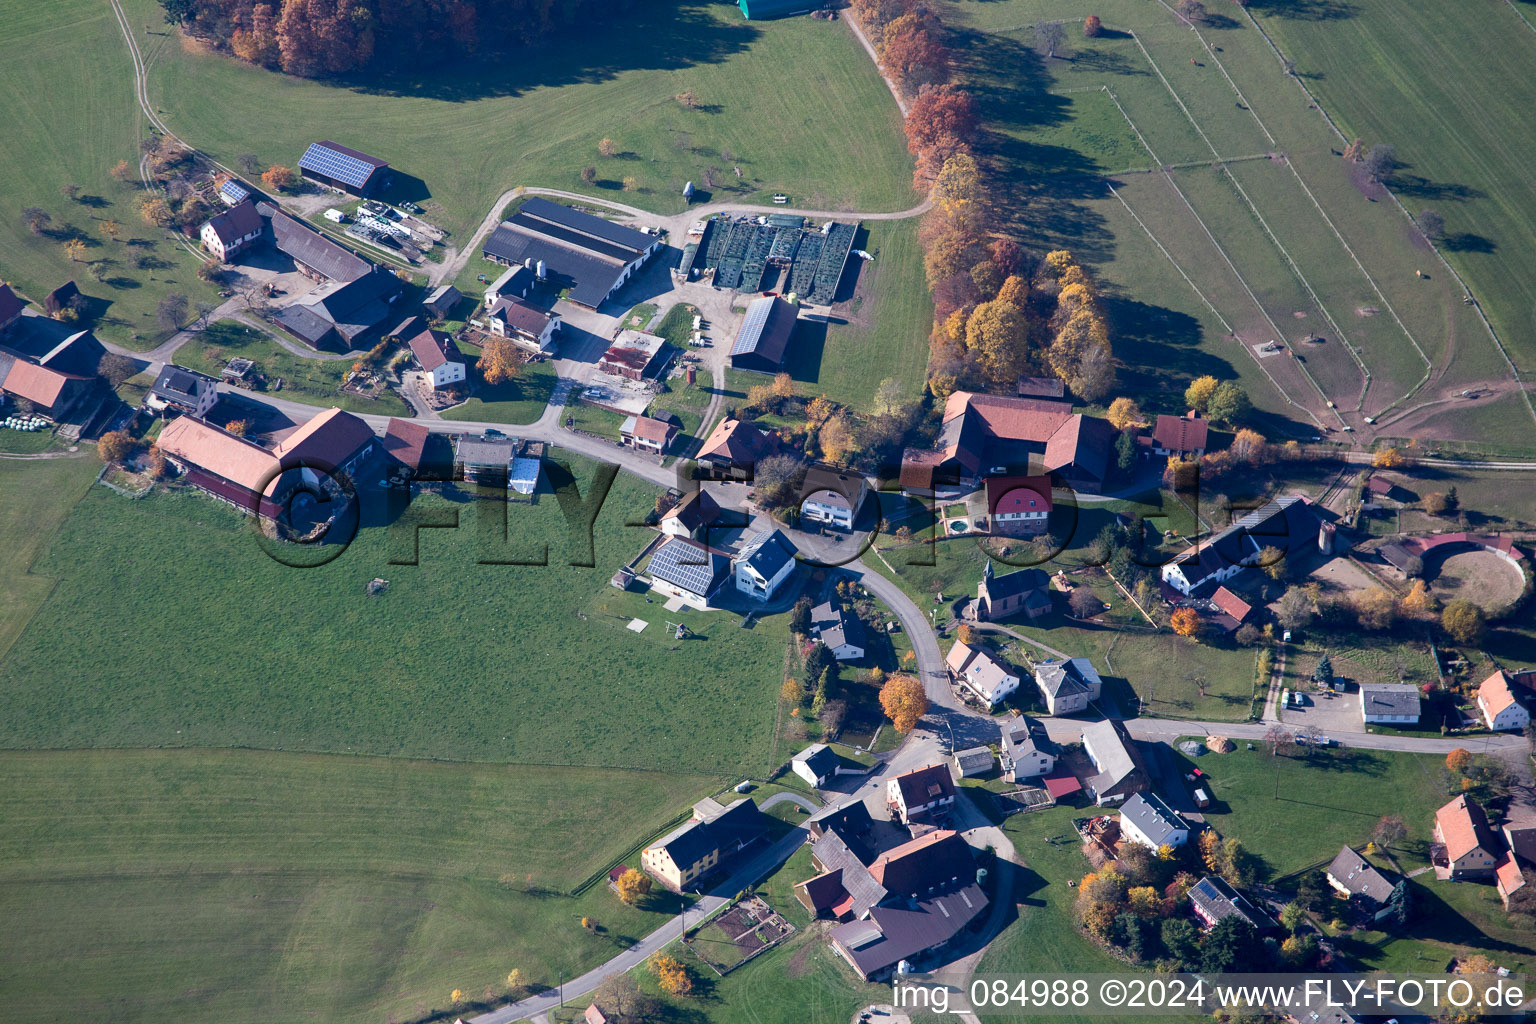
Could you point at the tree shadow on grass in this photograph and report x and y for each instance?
(1304, 10)
(1418, 187)
(654, 37)
(1466, 241)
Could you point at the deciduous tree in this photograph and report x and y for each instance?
(1049, 35)
(631, 184)
(671, 975)
(836, 439)
(114, 368)
(70, 191)
(1463, 621)
(607, 147)
(1185, 622)
(237, 427)
(278, 178)
(122, 171)
(1198, 395)
(1381, 161)
(1124, 414)
(589, 174)
(1387, 458)
(1432, 224)
(1229, 403)
(75, 250)
(903, 700)
(171, 313)
(114, 445)
(633, 886)
(1092, 26)
(498, 361)
(36, 219)
(998, 335)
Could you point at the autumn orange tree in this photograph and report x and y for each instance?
(1458, 761)
(1092, 26)
(497, 363)
(114, 445)
(904, 701)
(1185, 622)
(278, 178)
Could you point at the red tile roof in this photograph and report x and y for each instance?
(1009, 495)
(738, 441)
(406, 440)
(1463, 828)
(433, 349)
(219, 452)
(653, 430)
(1185, 433)
(1231, 603)
(324, 442)
(1495, 694)
(1064, 786)
(36, 383)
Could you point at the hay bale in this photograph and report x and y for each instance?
(1219, 745)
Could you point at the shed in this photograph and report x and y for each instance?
(973, 762)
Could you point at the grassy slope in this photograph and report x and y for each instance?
(1449, 92)
(71, 113)
(244, 886)
(796, 102)
(35, 497)
(458, 660)
(312, 381)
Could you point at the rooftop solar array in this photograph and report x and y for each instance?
(688, 566)
(752, 326)
(233, 192)
(339, 164)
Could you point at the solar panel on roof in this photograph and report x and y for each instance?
(686, 566)
(234, 192)
(339, 166)
(752, 327)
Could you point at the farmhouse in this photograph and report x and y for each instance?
(233, 231)
(1212, 900)
(333, 442)
(1181, 437)
(920, 795)
(516, 281)
(683, 568)
(980, 673)
(762, 342)
(438, 357)
(852, 821)
(816, 764)
(1068, 687)
(1465, 847)
(315, 255)
(42, 361)
(635, 355)
(1019, 506)
(590, 256)
(646, 434)
(1022, 592)
(1496, 700)
(1287, 524)
(1146, 819)
(177, 389)
(736, 447)
(832, 497)
(337, 167)
(341, 318)
(1121, 770)
(521, 321)
(763, 564)
(692, 516)
(1389, 703)
(1027, 751)
(841, 632)
(1351, 875)
(990, 435)
(683, 857)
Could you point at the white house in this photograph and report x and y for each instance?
(1068, 686)
(439, 358)
(842, 633)
(517, 281)
(763, 565)
(524, 323)
(832, 497)
(980, 673)
(921, 794)
(1497, 702)
(1389, 703)
(1287, 523)
(1027, 751)
(232, 231)
(1146, 819)
(816, 764)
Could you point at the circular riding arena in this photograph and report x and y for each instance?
(1482, 575)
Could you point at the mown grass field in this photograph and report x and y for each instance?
(35, 497)
(519, 401)
(880, 331)
(1297, 248)
(796, 103)
(250, 886)
(1452, 93)
(169, 626)
(311, 381)
(65, 68)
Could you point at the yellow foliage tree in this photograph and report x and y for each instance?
(783, 385)
(1387, 458)
(998, 334)
(958, 192)
(1419, 600)
(75, 250)
(497, 363)
(155, 211)
(456, 996)
(903, 700)
(819, 411)
(1057, 262)
(1198, 394)
(633, 886)
(1124, 414)
(966, 634)
(1145, 901)
(836, 439)
(671, 975)
(942, 385)
(1015, 290)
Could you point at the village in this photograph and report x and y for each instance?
(1029, 678)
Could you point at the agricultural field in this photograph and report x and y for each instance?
(464, 657)
(36, 495)
(71, 120)
(248, 886)
(311, 381)
(796, 104)
(1448, 91)
(1247, 228)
